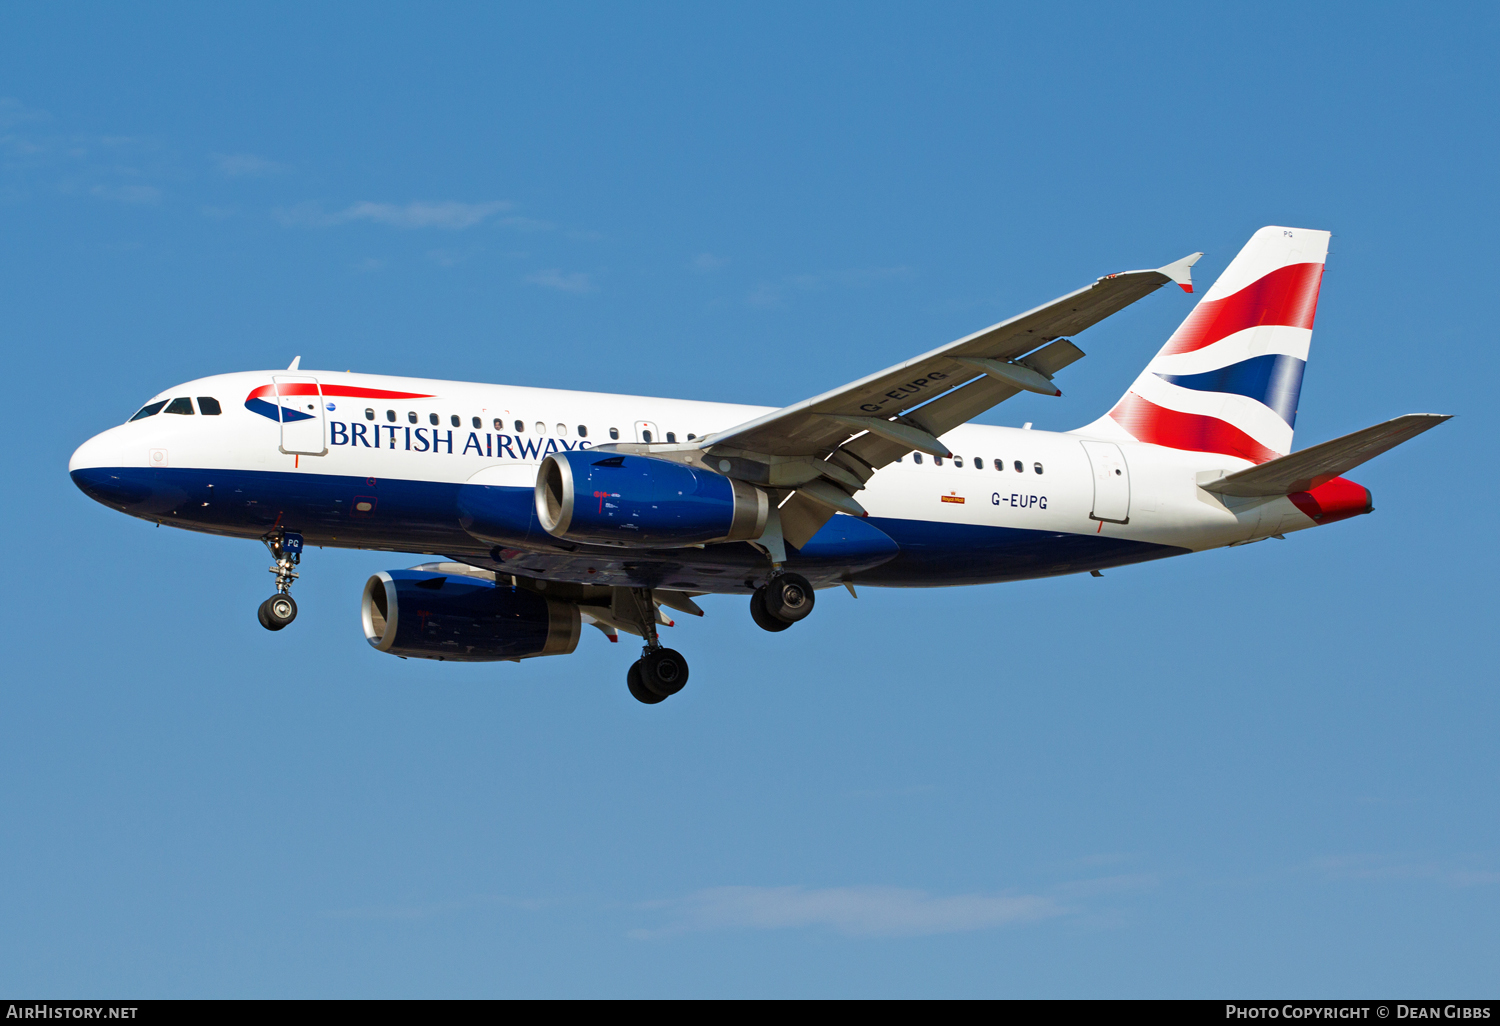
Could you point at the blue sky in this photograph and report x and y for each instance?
(1265, 771)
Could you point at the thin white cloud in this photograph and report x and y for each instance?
(247, 165)
(1463, 872)
(425, 215)
(705, 262)
(127, 193)
(14, 112)
(771, 294)
(553, 278)
(525, 224)
(451, 257)
(421, 214)
(851, 911)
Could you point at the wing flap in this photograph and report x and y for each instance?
(1318, 464)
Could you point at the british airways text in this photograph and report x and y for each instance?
(421, 439)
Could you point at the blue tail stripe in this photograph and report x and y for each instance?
(1273, 379)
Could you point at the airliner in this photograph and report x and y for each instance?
(547, 510)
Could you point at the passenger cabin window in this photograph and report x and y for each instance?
(645, 436)
(411, 416)
(916, 457)
(453, 419)
(671, 436)
(432, 418)
(541, 428)
(499, 424)
(1020, 467)
(937, 461)
(520, 427)
(1037, 467)
(369, 414)
(978, 463)
(562, 430)
(209, 406)
(183, 405)
(583, 432)
(390, 415)
(958, 461)
(478, 423)
(614, 434)
(691, 436)
(149, 410)
(999, 464)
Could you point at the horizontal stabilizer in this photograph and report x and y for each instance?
(1317, 465)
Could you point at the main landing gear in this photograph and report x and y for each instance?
(781, 601)
(280, 609)
(660, 672)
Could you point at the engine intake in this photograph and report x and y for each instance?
(424, 614)
(607, 499)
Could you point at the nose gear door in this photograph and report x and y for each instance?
(1111, 482)
(299, 401)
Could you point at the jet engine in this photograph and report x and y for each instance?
(629, 500)
(428, 614)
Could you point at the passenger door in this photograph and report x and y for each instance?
(1111, 482)
(299, 400)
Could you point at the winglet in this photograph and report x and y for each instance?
(1182, 271)
(294, 365)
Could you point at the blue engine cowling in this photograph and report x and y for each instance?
(612, 499)
(425, 614)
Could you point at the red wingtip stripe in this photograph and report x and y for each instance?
(1187, 286)
(1191, 431)
(1288, 296)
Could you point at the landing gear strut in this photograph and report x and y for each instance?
(660, 672)
(781, 601)
(280, 609)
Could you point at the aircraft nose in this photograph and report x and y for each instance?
(93, 453)
(101, 472)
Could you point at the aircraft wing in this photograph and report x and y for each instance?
(825, 448)
(1316, 465)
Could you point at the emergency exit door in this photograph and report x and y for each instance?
(1111, 482)
(299, 401)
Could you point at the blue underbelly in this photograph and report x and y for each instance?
(496, 527)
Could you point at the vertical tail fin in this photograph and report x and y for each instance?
(1228, 379)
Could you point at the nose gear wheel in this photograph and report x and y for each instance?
(279, 610)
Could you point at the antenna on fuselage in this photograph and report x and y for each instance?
(295, 361)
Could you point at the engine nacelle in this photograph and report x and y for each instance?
(426, 614)
(611, 499)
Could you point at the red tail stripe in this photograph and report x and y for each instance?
(340, 391)
(1192, 431)
(1287, 296)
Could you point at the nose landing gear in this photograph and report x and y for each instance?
(660, 672)
(280, 609)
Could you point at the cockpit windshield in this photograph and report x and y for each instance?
(149, 410)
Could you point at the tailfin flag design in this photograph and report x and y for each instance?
(1228, 379)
